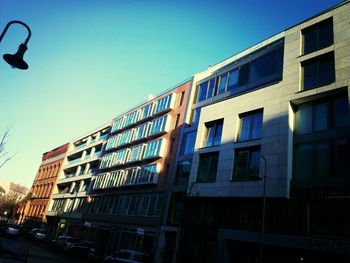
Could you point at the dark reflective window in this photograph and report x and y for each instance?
(246, 166)
(188, 143)
(318, 36)
(319, 71)
(207, 167)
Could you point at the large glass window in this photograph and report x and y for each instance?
(112, 142)
(106, 160)
(182, 173)
(250, 125)
(98, 181)
(246, 166)
(213, 133)
(258, 70)
(322, 159)
(141, 131)
(148, 174)
(164, 103)
(153, 149)
(222, 83)
(131, 118)
(118, 124)
(318, 36)
(146, 111)
(322, 115)
(207, 167)
(125, 137)
(136, 153)
(131, 175)
(188, 143)
(202, 92)
(318, 71)
(120, 157)
(158, 125)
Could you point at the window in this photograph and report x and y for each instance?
(111, 180)
(143, 205)
(182, 173)
(148, 174)
(118, 124)
(99, 181)
(195, 115)
(319, 159)
(246, 166)
(202, 93)
(106, 160)
(126, 137)
(141, 131)
(120, 177)
(131, 175)
(146, 111)
(112, 142)
(158, 125)
(207, 167)
(318, 71)
(131, 118)
(322, 115)
(250, 125)
(257, 69)
(164, 103)
(177, 121)
(318, 36)
(136, 153)
(153, 149)
(213, 133)
(120, 157)
(188, 142)
(172, 145)
(222, 83)
(182, 98)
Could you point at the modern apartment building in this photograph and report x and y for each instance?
(135, 172)
(33, 211)
(70, 196)
(270, 137)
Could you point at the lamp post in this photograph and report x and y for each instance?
(16, 60)
(264, 177)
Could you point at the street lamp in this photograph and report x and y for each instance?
(263, 177)
(16, 60)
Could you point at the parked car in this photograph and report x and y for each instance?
(10, 230)
(130, 256)
(64, 242)
(86, 249)
(37, 234)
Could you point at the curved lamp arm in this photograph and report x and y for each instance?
(16, 22)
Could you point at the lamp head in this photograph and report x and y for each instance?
(16, 60)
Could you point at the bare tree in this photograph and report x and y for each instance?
(4, 155)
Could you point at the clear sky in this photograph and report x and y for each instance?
(90, 60)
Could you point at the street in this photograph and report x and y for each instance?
(24, 250)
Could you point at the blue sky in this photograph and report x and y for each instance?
(90, 60)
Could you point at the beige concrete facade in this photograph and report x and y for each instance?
(277, 102)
